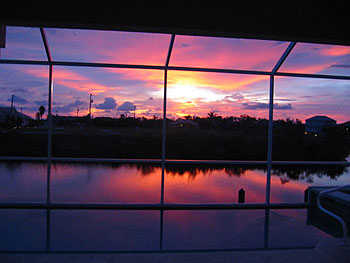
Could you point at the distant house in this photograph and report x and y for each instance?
(7, 112)
(317, 124)
(345, 126)
(183, 123)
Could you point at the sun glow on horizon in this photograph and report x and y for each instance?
(184, 91)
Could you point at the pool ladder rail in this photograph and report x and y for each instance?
(338, 218)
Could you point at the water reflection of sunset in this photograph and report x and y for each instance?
(91, 183)
(214, 187)
(106, 184)
(121, 229)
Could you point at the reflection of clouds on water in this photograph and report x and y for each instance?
(119, 183)
(286, 173)
(135, 183)
(22, 181)
(91, 183)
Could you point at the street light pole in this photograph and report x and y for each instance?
(12, 105)
(90, 101)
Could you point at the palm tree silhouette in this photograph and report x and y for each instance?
(40, 113)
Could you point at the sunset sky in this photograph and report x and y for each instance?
(117, 91)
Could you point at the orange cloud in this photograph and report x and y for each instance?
(336, 51)
(217, 81)
(74, 80)
(308, 69)
(70, 79)
(37, 71)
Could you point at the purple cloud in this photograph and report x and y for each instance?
(108, 104)
(126, 106)
(258, 105)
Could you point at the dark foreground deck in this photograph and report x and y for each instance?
(327, 251)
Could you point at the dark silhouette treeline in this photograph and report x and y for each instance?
(213, 138)
(291, 142)
(212, 121)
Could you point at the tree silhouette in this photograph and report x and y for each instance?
(40, 113)
(212, 115)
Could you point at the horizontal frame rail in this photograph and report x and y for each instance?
(169, 161)
(177, 68)
(148, 251)
(57, 206)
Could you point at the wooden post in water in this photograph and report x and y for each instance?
(241, 196)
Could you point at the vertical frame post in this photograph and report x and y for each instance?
(270, 139)
(49, 139)
(164, 115)
(49, 134)
(266, 228)
(161, 223)
(269, 166)
(49, 114)
(49, 156)
(270, 134)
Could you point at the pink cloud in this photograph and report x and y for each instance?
(315, 58)
(70, 79)
(226, 53)
(109, 46)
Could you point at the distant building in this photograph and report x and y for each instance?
(183, 123)
(6, 113)
(317, 124)
(345, 126)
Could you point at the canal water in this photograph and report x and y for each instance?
(25, 182)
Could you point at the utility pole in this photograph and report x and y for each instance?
(77, 111)
(90, 101)
(134, 116)
(11, 110)
(12, 105)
